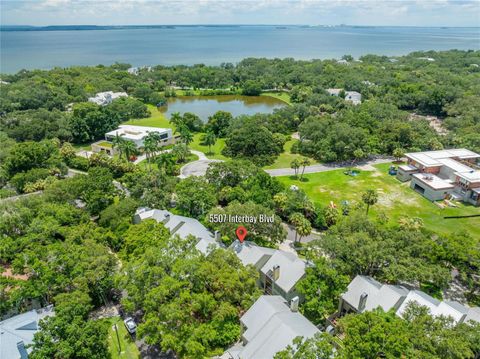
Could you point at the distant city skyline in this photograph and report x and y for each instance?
(452, 13)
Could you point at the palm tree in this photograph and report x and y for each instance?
(301, 224)
(370, 197)
(150, 146)
(180, 151)
(177, 120)
(117, 144)
(209, 139)
(129, 148)
(305, 162)
(166, 163)
(185, 135)
(295, 164)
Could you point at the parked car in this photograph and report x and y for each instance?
(130, 325)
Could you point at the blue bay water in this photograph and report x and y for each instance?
(214, 45)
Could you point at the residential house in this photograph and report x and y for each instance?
(280, 271)
(354, 97)
(17, 332)
(135, 134)
(351, 96)
(441, 174)
(250, 253)
(106, 98)
(365, 294)
(181, 226)
(269, 326)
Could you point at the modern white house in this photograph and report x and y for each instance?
(269, 326)
(17, 332)
(365, 294)
(446, 173)
(105, 98)
(181, 226)
(135, 134)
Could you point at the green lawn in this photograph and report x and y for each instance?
(156, 119)
(216, 149)
(396, 199)
(285, 97)
(128, 349)
(286, 157)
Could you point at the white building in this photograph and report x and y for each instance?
(105, 98)
(181, 226)
(440, 174)
(137, 134)
(269, 326)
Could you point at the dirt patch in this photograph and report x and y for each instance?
(390, 199)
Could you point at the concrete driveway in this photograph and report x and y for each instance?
(198, 167)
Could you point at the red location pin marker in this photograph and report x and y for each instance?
(241, 233)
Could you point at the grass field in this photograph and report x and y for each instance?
(286, 157)
(128, 348)
(285, 97)
(396, 199)
(156, 119)
(216, 149)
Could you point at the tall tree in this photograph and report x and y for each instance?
(305, 162)
(295, 164)
(370, 197)
(209, 139)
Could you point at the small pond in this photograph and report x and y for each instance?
(205, 106)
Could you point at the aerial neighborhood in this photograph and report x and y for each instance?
(164, 194)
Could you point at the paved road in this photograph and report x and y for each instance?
(198, 167)
(323, 167)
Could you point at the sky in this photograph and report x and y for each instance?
(304, 12)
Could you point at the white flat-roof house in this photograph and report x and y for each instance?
(107, 97)
(136, 134)
(17, 332)
(365, 294)
(438, 174)
(280, 271)
(269, 326)
(351, 96)
(181, 226)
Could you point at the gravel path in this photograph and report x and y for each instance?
(323, 167)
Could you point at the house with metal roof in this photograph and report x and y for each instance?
(17, 332)
(181, 226)
(365, 294)
(250, 253)
(281, 273)
(269, 326)
(453, 173)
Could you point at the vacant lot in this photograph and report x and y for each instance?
(156, 119)
(396, 199)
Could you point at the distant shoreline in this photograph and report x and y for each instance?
(170, 27)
